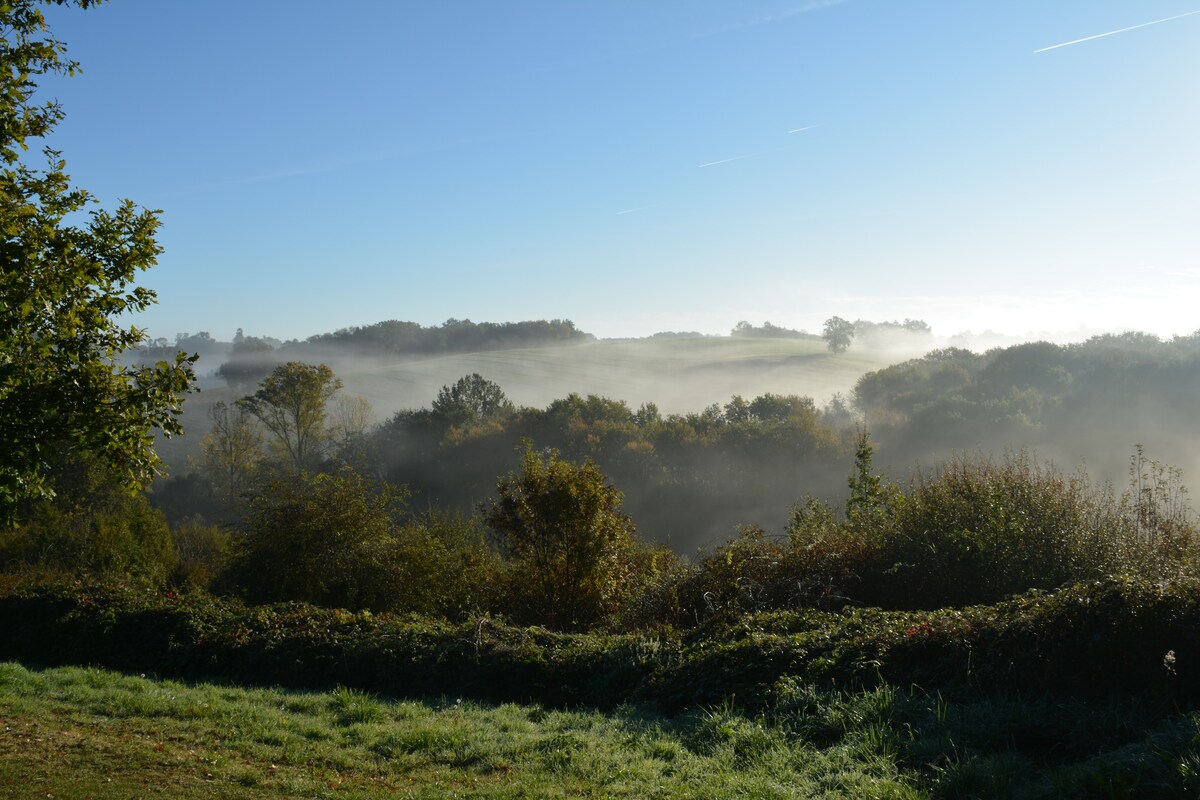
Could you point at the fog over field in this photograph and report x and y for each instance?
(1081, 407)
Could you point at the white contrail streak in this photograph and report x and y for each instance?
(631, 210)
(1114, 33)
(727, 160)
(805, 128)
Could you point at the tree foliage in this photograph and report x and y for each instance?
(562, 525)
(291, 404)
(67, 273)
(230, 451)
(471, 399)
(326, 539)
(838, 333)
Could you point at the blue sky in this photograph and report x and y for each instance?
(631, 165)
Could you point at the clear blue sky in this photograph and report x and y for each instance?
(629, 164)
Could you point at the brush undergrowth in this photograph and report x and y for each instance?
(1094, 639)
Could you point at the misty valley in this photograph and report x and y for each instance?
(908, 549)
(882, 547)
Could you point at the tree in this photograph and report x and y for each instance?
(562, 525)
(291, 402)
(353, 419)
(230, 451)
(838, 333)
(470, 399)
(866, 503)
(67, 273)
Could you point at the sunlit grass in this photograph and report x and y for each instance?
(76, 732)
(81, 732)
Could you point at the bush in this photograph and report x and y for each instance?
(976, 532)
(1107, 637)
(201, 552)
(569, 544)
(112, 535)
(324, 539)
(445, 565)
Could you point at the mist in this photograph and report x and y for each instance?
(667, 416)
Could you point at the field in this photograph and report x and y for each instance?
(74, 732)
(88, 733)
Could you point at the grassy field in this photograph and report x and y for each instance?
(86, 733)
(679, 375)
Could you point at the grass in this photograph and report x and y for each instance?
(88, 733)
(74, 732)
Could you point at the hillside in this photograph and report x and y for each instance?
(679, 375)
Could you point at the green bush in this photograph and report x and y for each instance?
(201, 553)
(976, 532)
(1091, 640)
(341, 540)
(970, 532)
(329, 539)
(445, 565)
(568, 542)
(114, 536)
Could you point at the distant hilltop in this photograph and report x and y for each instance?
(247, 358)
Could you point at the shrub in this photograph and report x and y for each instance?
(445, 565)
(201, 552)
(324, 539)
(569, 544)
(975, 532)
(971, 532)
(110, 534)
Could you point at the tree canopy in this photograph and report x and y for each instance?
(67, 275)
(291, 403)
(562, 524)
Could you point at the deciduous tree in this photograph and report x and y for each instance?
(838, 334)
(562, 525)
(291, 404)
(230, 451)
(67, 273)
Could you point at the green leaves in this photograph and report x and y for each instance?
(291, 403)
(63, 286)
(563, 526)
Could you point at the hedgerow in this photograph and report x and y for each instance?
(1119, 636)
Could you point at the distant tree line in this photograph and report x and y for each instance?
(837, 333)
(688, 478)
(1095, 399)
(394, 337)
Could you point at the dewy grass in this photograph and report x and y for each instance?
(79, 732)
(75, 732)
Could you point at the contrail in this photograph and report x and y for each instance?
(631, 210)
(1113, 33)
(727, 160)
(805, 128)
